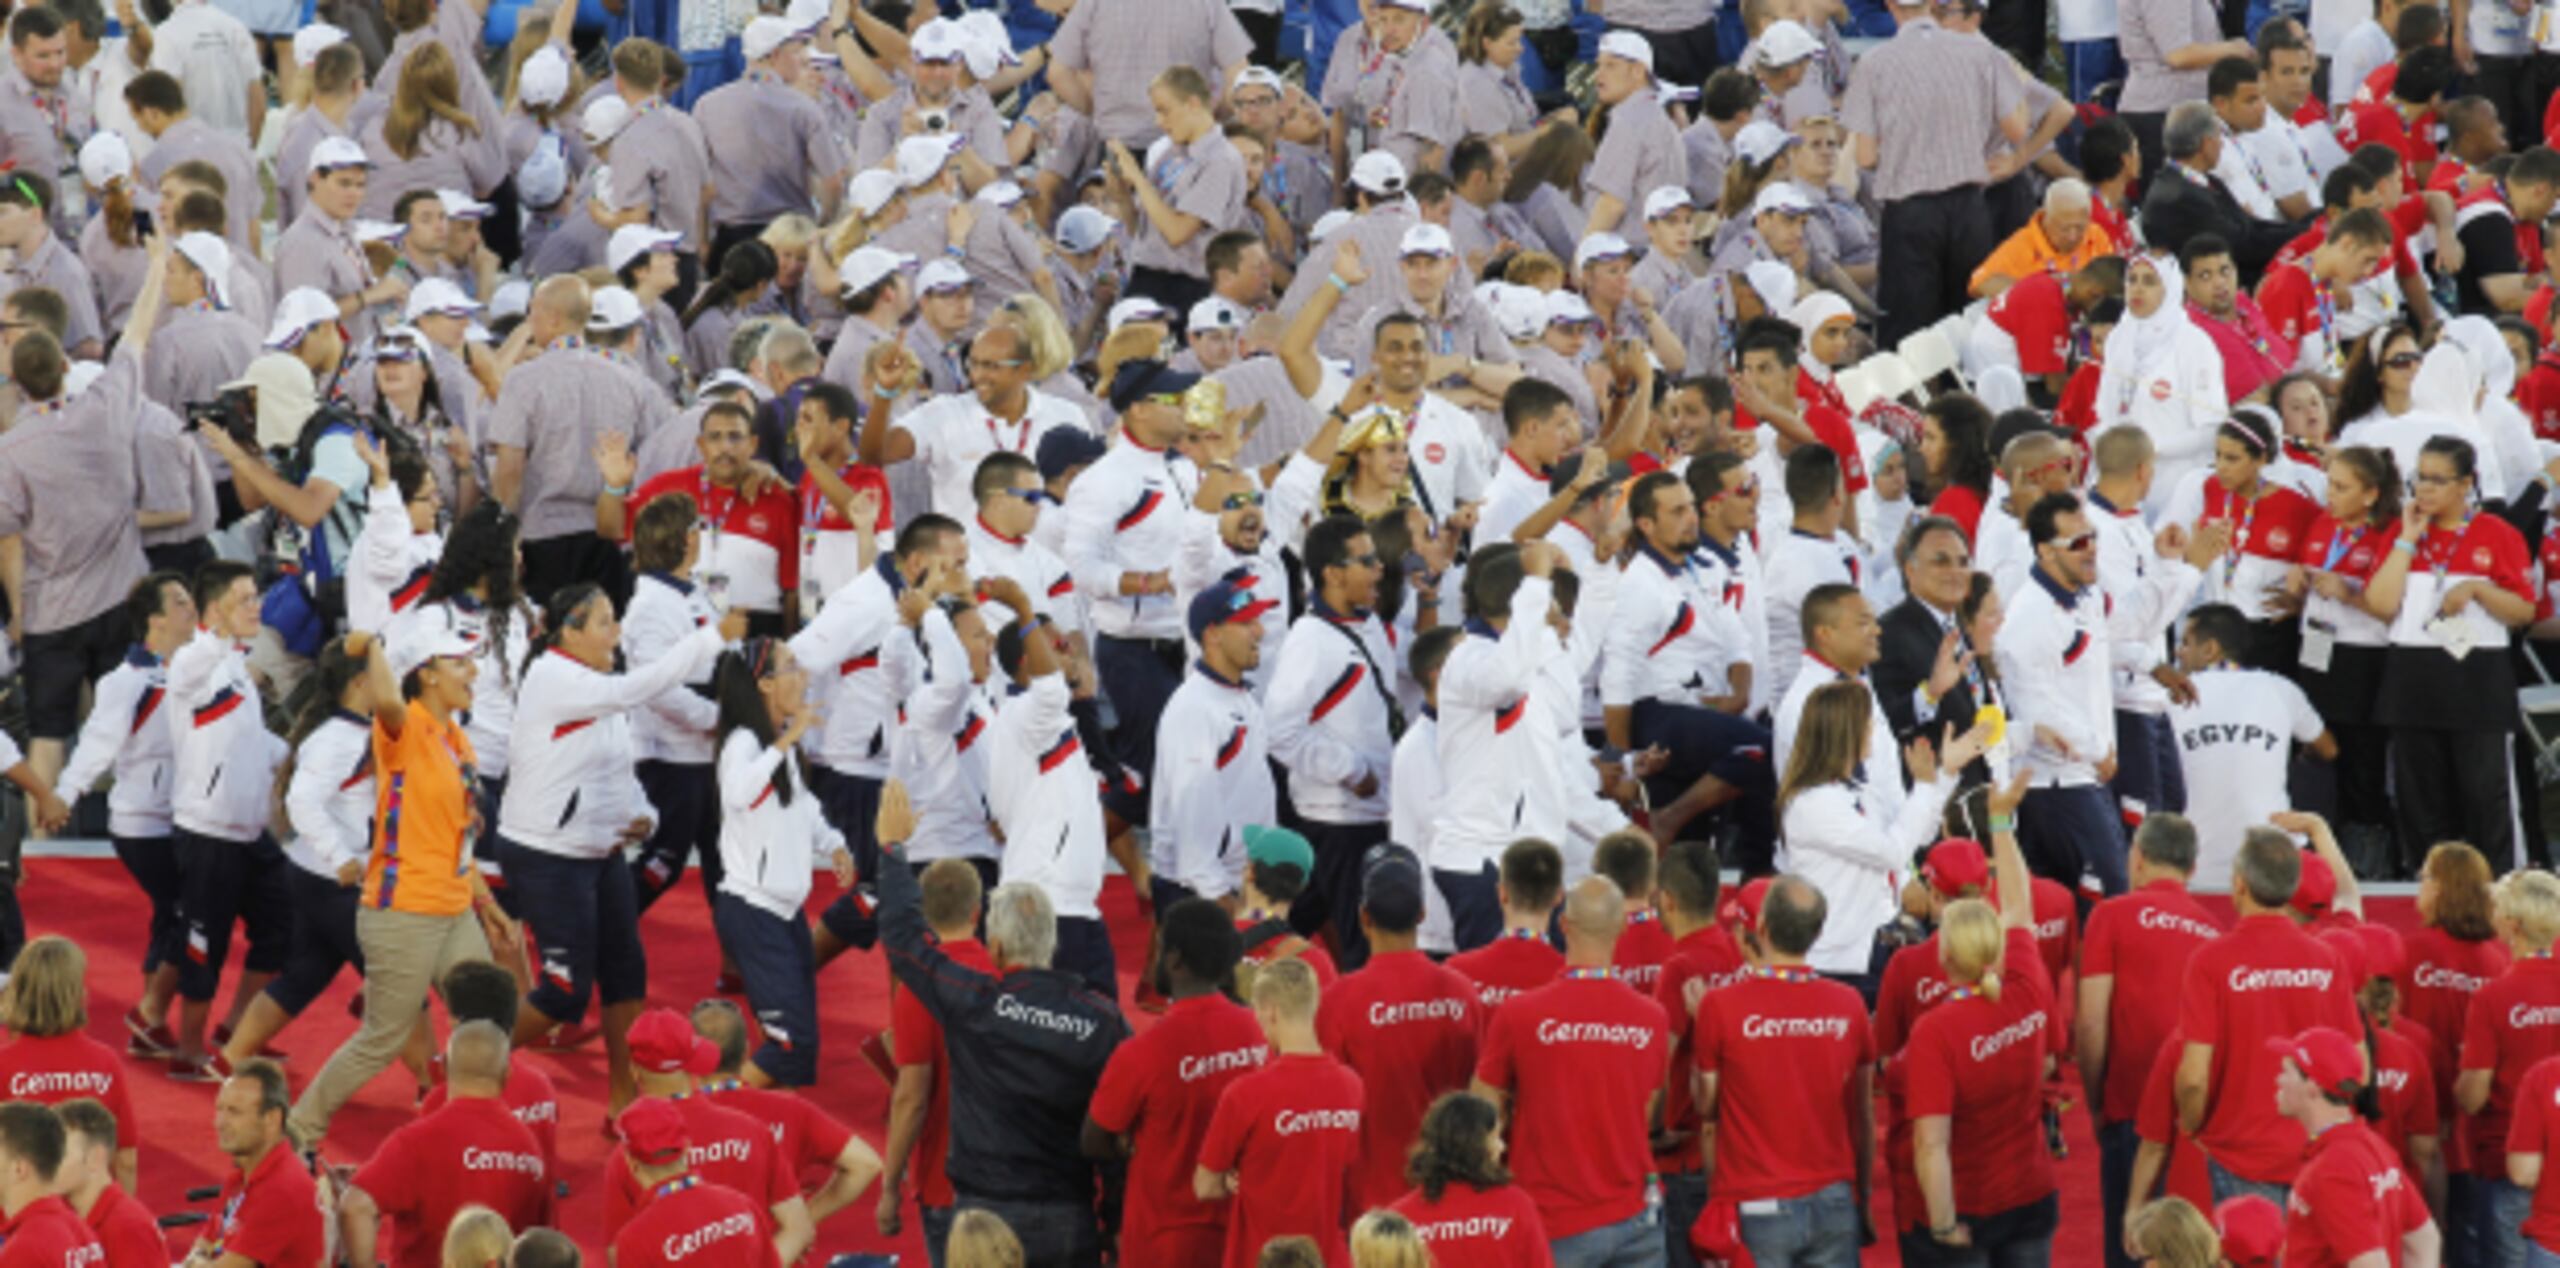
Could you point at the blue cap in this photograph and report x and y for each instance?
(1230, 599)
(1063, 449)
(1138, 380)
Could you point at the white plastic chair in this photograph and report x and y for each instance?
(1888, 374)
(2001, 389)
(1856, 388)
(1929, 354)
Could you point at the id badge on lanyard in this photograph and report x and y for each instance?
(707, 570)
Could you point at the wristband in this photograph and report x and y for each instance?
(2404, 544)
(2003, 823)
(955, 252)
(618, 490)
(1340, 287)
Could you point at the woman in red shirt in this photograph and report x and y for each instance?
(2453, 954)
(2267, 523)
(1459, 1181)
(52, 1060)
(2344, 642)
(1955, 454)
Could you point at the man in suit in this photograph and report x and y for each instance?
(2188, 199)
(1925, 679)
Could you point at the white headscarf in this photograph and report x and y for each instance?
(1808, 315)
(2491, 362)
(2143, 346)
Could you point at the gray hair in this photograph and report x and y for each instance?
(1022, 928)
(2067, 194)
(2168, 840)
(2269, 867)
(1920, 529)
(2190, 125)
(790, 350)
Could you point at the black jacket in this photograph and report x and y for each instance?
(1909, 647)
(2177, 209)
(1026, 1051)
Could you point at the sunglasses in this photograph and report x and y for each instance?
(1239, 501)
(1746, 489)
(2078, 542)
(1035, 497)
(2403, 360)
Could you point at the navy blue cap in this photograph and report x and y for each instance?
(1391, 886)
(1063, 449)
(1230, 599)
(1138, 380)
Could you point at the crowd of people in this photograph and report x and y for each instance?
(1656, 603)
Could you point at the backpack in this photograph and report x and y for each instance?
(307, 598)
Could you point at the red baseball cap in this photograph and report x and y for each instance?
(1955, 865)
(1743, 906)
(2318, 889)
(663, 1042)
(2330, 1060)
(2385, 955)
(2252, 1231)
(653, 1130)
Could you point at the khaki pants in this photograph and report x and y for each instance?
(405, 956)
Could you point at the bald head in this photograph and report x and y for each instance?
(561, 305)
(1595, 911)
(475, 1057)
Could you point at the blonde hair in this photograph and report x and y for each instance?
(1286, 989)
(48, 991)
(430, 88)
(1044, 335)
(792, 232)
(1971, 940)
(981, 1239)
(1742, 183)
(1384, 1239)
(1830, 739)
(2530, 902)
(2173, 1232)
(1535, 268)
(1137, 341)
(477, 1238)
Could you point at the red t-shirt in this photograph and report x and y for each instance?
(1642, 947)
(2271, 526)
(534, 1100)
(472, 1152)
(1784, 1047)
(1979, 1062)
(1830, 426)
(1290, 1131)
(758, 537)
(729, 1149)
(2291, 301)
(1707, 955)
(2351, 1199)
(1515, 963)
(2142, 941)
(1479, 1228)
(805, 1137)
(2512, 1024)
(2536, 1129)
(1162, 1087)
(1960, 504)
(2405, 1086)
(47, 1233)
(2444, 973)
(58, 1068)
(696, 1225)
(2035, 314)
(131, 1237)
(2379, 123)
(1914, 982)
(2357, 557)
(917, 1039)
(1582, 1058)
(2539, 396)
(2155, 1120)
(1317, 958)
(1408, 1028)
(2263, 980)
(271, 1213)
(2057, 930)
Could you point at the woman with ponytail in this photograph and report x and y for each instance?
(478, 580)
(772, 835)
(111, 243)
(1974, 1072)
(745, 272)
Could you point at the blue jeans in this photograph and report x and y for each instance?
(1634, 1242)
(2117, 1144)
(2537, 1256)
(1684, 1198)
(2227, 1186)
(2148, 769)
(2090, 63)
(2020, 1237)
(2498, 1212)
(1053, 1234)
(1818, 1230)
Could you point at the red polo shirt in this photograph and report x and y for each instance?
(271, 1213)
(1581, 1058)
(1914, 982)
(1784, 1045)
(1515, 963)
(917, 1038)
(47, 1233)
(2142, 941)
(1979, 1062)
(2155, 1121)
(2513, 1023)
(1408, 1028)
(131, 1237)
(57, 1068)
(2350, 1199)
(535, 1102)
(728, 1149)
(2405, 1085)
(2444, 972)
(2035, 315)
(760, 534)
(805, 1137)
(1479, 1228)
(2536, 1129)
(2263, 980)
(1317, 958)
(472, 1152)
(1707, 955)
(1642, 947)
(696, 1225)
(1291, 1132)
(1162, 1087)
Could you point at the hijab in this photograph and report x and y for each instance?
(2141, 347)
(1809, 314)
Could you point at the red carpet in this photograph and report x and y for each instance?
(92, 901)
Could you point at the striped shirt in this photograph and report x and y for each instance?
(1126, 43)
(1932, 101)
(1492, 101)
(2151, 30)
(69, 483)
(1666, 16)
(1642, 153)
(555, 407)
(769, 148)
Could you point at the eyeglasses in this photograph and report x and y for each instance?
(1369, 560)
(1256, 102)
(2403, 360)
(1239, 501)
(977, 364)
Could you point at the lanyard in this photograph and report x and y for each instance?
(2452, 544)
(2248, 519)
(2257, 171)
(675, 1186)
(1784, 973)
(1964, 992)
(1021, 437)
(1602, 974)
(709, 523)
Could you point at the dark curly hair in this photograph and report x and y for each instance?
(1450, 1148)
(481, 552)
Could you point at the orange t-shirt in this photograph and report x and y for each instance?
(422, 818)
(2028, 252)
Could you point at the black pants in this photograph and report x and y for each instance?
(555, 562)
(852, 804)
(2069, 833)
(1735, 750)
(222, 883)
(2149, 772)
(2147, 128)
(727, 236)
(2013, 203)
(324, 940)
(1475, 905)
(780, 968)
(1138, 676)
(1176, 291)
(2456, 786)
(1264, 28)
(182, 558)
(1333, 894)
(153, 864)
(2117, 1144)
(1084, 949)
(2019, 1237)
(687, 798)
(1929, 245)
(1679, 57)
(2508, 84)
(2018, 27)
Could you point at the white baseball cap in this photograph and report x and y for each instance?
(1418, 6)
(1783, 198)
(438, 297)
(872, 189)
(461, 206)
(1216, 313)
(544, 79)
(864, 269)
(1083, 228)
(1427, 239)
(1786, 42)
(942, 273)
(808, 15)
(1629, 45)
(81, 377)
(1760, 141)
(336, 152)
(1774, 283)
(1566, 306)
(105, 158)
(1328, 224)
(728, 379)
(1521, 311)
(1138, 308)
(371, 231)
(764, 36)
(990, 46)
(543, 179)
(614, 309)
(301, 308)
(424, 633)
(313, 40)
(1001, 193)
(940, 40)
(1379, 173)
(630, 242)
(1262, 77)
(512, 300)
(1665, 200)
(212, 257)
(1600, 246)
(604, 119)
(921, 158)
